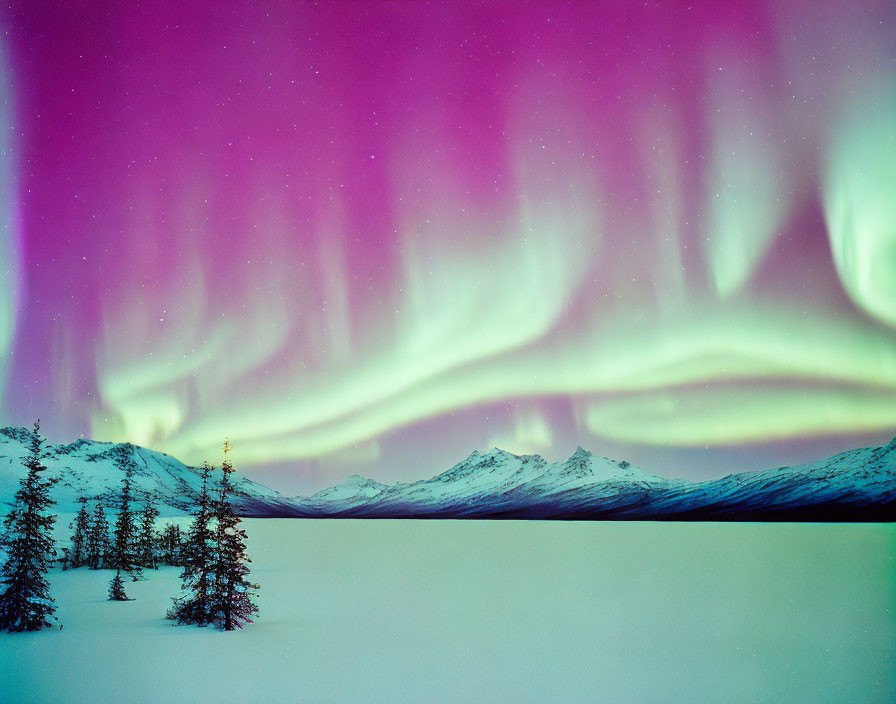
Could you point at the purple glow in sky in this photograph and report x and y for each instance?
(371, 237)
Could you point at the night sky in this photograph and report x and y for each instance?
(373, 236)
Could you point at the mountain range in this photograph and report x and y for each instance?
(86, 468)
(857, 485)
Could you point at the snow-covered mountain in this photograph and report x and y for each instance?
(858, 485)
(87, 468)
(487, 485)
(855, 485)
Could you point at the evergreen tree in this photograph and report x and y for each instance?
(231, 603)
(196, 554)
(25, 604)
(98, 544)
(146, 539)
(123, 549)
(170, 545)
(116, 588)
(77, 553)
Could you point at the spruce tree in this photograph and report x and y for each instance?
(232, 606)
(146, 538)
(25, 604)
(196, 554)
(116, 588)
(98, 544)
(77, 554)
(170, 544)
(123, 549)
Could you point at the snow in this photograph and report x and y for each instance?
(508, 611)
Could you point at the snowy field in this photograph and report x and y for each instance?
(441, 611)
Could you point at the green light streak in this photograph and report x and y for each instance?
(489, 310)
(662, 162)
(9, 246)
(730, 416)
(531, 433)
(707, 345)
(746, 190)
(458, 305)
(860, 202)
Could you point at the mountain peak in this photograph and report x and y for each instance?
(359, 481)
(498, 452)
(580, 453)
(353, 487)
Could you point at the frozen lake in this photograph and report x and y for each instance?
(478, 611)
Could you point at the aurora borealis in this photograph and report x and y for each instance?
(371, 237)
